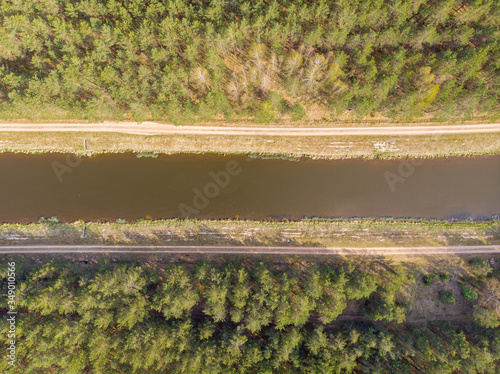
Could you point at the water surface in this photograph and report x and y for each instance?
(108, 187)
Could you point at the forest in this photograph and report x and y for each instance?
(102, 317)
(200, 60)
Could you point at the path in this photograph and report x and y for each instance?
(260, 250)
(152, 128)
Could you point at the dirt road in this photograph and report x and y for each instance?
(152, 128)
(249, 250)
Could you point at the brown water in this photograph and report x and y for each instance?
(122, 186)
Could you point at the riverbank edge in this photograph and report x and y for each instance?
(352, 232)
(328, 147)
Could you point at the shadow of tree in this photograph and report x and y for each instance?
(49, 233)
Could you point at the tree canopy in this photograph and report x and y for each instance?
(131, 318)
(196, 60)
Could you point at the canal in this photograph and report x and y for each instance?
(107, 187)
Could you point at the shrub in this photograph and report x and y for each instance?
(447, 297)
(50, 220)
(427, 279)
(469, 293)
(279, 104)
(444, 277)
(265, 113)
(152, 155)
(485, 317)
(478, 262)
(298, 112)
(480, 267)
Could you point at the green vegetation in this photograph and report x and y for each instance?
(190, 61)
(480, 267)
(483, 287)
(444, 277)
(151, 155)
(298, 112)
(103, 317)
(274, 157)
(468, 293)
(427, 279)
(487, 312)
(50, 220)
(485, 317)
(447, 297)
(290, 63)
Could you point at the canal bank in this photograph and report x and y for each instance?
(355, 232)
(319, 147)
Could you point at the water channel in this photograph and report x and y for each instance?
(107, 187)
